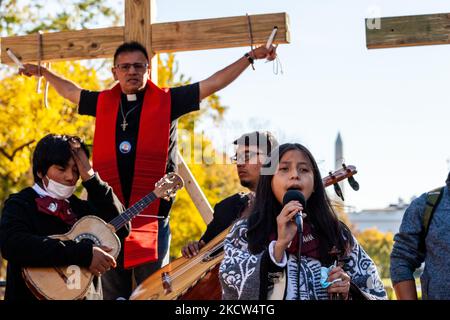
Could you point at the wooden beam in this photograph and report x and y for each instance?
(219, 32)
(408, 31)
(195, 192)
(166, 37)
(65, 45)
(137, 17)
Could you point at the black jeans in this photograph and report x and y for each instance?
(120, 282)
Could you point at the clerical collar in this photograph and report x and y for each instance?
(131, 97)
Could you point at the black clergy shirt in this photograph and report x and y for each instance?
(184, 99)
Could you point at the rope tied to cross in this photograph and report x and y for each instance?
(46, 65)
(277, 67)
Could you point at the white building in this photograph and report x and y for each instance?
(385, 220)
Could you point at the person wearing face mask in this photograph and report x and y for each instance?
(260, 259)
(49, 207)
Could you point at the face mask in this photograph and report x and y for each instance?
(57, 190)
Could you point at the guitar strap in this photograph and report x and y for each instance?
(433, 199)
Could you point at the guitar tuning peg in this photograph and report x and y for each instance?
(338, 191)
(353, 183)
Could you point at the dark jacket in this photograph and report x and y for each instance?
(226, 212)
(24, 231)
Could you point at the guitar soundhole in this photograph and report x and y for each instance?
(87, 237)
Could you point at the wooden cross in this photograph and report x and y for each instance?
(408, 31)
(157, 38)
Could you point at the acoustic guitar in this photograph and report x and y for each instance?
(72, 282)
(196, 278)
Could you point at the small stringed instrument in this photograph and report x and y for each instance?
(196, 278)
(72, 282)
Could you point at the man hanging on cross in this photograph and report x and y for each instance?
(136, 133)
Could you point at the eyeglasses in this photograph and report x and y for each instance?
(242, 158)
(139, 67)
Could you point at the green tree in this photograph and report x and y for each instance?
(24, 17)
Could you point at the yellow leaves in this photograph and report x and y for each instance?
(379, 246)
(217, 181)
(373, 235)
(25, 120)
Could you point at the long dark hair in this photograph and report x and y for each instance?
(320, 214)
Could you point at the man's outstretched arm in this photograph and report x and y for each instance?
(64, 87)
(224, 77)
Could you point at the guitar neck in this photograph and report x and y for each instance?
(338, 176)
(126, 216)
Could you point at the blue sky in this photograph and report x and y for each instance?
(390, 105)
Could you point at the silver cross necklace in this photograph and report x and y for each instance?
(124, 116)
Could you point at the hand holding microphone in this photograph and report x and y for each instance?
(286, 227)
(295, 195)
(290, 197)
(289, 220)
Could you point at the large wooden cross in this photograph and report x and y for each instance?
(157, 38)
(420, 30)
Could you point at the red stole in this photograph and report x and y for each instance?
(150, 164)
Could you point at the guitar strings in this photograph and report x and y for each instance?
(180, 271)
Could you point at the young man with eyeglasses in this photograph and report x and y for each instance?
(136, 133)
(251, 152)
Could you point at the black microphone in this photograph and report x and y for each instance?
(295, 195)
